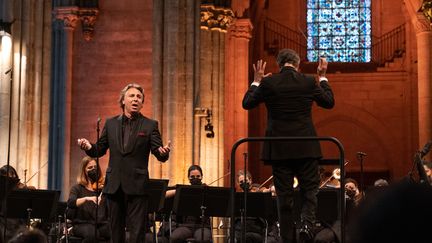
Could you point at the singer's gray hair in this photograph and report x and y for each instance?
(288, 56)
(125, 89)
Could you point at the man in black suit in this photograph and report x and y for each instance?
(289, 96)
(130, 137)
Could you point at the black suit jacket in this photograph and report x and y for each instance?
(289, 96)
(128, 167)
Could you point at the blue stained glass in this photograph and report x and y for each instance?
(325, 29)
(325, 15)
(312, 55)
(365, 14)
(365, 41)
(312, 42)
(338, 42)
(353, 3)
(365, 27)
(365, 3)
(325, 3)
(352, 28)
(312, 30)
(339, 15)
(339, 30)
(312, 3)
(325, 43)
(352, 14)
(339, 3)
(312, 15)
(353, 42)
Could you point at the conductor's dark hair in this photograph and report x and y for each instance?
(287, 56)
(194, 167)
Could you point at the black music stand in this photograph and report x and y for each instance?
(259, 205)
(10, 182)
(155, 189)
(201, 201)
(327, 208)
(26, 204)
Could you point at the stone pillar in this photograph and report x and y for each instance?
(214, 24)
(424, 54)
(236, 84)
(175, 69)
(64, 23)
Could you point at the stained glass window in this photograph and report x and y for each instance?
(339, 30)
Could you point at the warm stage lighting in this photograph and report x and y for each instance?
(5, 46)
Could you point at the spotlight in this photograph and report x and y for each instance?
(209, 129)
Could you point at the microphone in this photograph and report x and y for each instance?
(426, 149)
(361, 154)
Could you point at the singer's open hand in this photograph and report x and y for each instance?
(259, 69)
(165, 149)
(84, 144)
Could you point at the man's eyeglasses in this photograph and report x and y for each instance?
(194, 177)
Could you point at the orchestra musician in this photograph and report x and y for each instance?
(13, 224)
(255, 227)
(82, 202)
(190, 226)
(14, 174)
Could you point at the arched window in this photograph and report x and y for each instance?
(339, 30)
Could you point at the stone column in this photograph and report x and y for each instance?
(212, 90)
(424, 54)
(64, 23)
(175, 68)
(236, 84)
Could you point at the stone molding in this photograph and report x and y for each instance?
(88, 18)
(68, 15)
(422, 24)
(241, 28)
(427, 10)
(214, 18)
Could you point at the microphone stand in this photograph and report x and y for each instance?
(360, 156)
(97, 178)
(8, 153)
(245, 191)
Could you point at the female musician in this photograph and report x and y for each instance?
(82, 203)
(190, 226)
(14, 174)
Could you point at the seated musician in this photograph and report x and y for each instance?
(190, 226)
(13, 224)
(82, 203)
(255, 227)
(14, 174)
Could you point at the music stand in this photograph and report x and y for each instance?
(203, 201)
(189, 200)
(11, 182)
(155, 190)
(259, 205)
(327, 208)
(26, 204)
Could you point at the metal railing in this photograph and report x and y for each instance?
(389, 46)
(278, 36)
(261, 139)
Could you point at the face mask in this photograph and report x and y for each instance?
(92, 175)
(350, 193)
(195, 181)
(245, 185)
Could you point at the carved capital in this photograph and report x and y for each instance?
(68, 15)
(88, 18)
(421, 23)
(213, 18)
(427, 9)
(241, 28)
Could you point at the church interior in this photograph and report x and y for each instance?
(63, 63)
